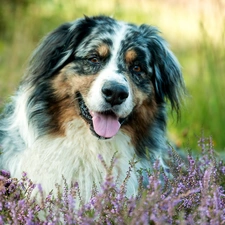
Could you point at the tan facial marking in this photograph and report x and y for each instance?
(142, 119)
(103, 50)
(143, 116)
(65, 106)
(130, 56)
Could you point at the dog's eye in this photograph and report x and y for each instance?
(137, 69)
(94, 60)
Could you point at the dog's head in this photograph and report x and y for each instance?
(106, 72)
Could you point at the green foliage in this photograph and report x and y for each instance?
(196, 34)
(204, 110)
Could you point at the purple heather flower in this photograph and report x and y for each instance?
(24, 174)
(5, 173)
(1, 220)
(223, 169)
(194, 196)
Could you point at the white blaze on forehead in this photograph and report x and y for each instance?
(95, 100)
(110, 71)
(118, 38)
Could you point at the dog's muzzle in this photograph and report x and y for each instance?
(105, 123)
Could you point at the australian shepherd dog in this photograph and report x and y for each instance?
(95, 86)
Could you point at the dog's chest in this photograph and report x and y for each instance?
(77, 157)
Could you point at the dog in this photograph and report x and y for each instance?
(93, 87)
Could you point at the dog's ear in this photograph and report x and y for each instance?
(167, 76)
(57, 49)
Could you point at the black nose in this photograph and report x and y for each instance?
(114, 92)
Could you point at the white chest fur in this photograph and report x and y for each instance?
(76, 157)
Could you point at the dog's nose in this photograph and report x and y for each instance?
(114, 92)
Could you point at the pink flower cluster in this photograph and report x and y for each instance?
(195, 195)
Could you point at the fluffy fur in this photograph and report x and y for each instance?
(93, 87)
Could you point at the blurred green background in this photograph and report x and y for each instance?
(195, 30)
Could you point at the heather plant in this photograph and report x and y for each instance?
(194, 195)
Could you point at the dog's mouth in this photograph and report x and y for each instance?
(104, 125)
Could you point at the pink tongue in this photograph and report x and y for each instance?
(105, 125)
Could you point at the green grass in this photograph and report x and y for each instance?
(194, 29)
(204, 111)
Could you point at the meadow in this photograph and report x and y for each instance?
(195, 30)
